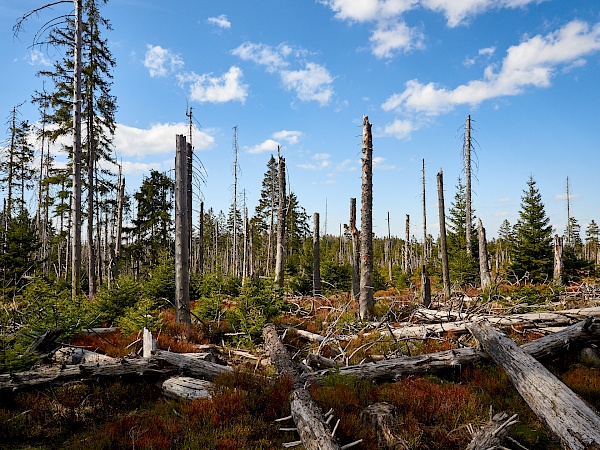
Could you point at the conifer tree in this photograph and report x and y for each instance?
(264, 218)
(533, 250)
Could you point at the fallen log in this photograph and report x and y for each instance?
(494, 433)
(56, 376)
(306, 415)
(580, 334)
(576, 424)
(186, 388)
(191, 366)
(76, 355)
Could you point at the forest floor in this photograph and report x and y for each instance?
(431, 411)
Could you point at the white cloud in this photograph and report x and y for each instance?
(531, 63)
(369, 10)
(36, 57)
(291, 137)
(457, 12)
(348, 165)
(135, 168)
(321, 161)
(225, 88)
(273, 58)
(312, 83)
(158, 139)
(161, 62)
(220, 21)
(387, 40)
(400, 129)
(267, 146)
(379, 164)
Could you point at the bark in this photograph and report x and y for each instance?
(306, 415)
(443, 244)
(424, 216)
(468, 213)
(406, 258)
(76, 182)
(191, 366)
(182, 257)
(186, 388)
(281, 213)
(355, 251)
(576, 424)
(45, 342)
(380, 416)
(484, 271)
(366, 300)
(425, 287)
(316, 257)
(494, 433)
(558, 259)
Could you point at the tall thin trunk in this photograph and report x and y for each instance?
(366, 299)
(235, 165)
(90, 199)
(407, 265)
(424, 216)
(76, 201)
(119, 238)
(468, 213)
(484, 270)
(190, 168)
(355, 251)
(389, 249)
(182, 262)
(246, 259)
(558, 259)
(443, 245)
(201, 240)
(316, 257)
(281, 214)
(11, 163)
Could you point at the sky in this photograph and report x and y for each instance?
(302, 74)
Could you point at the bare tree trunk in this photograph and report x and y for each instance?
(558, 259)
(468, 213)
(424, 216)
(245, 261)
(119, 233)
(425, 287)
(389, 249)
(407, 266)
(316, 257)
(76, 186)
(443, 245)
(189, 201)
(182, 261)
(234, 269)
(90, 203)
(355, 251)
(201, 240)
(575, 423)
(484, 271)
(281, 214)
(366, 300)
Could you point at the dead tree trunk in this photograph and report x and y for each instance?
(355, 251)
(366, 300)
(407, 245)
(558, 259)
(182, 259)
(443, 245)
(316, 257)
(575, 423)
(484, 271)
(425, 287)
(468, 209)
(307, 416)
(494, 433)
(281, 213)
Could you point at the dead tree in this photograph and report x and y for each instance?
(182, 257)
(281, 213)
(484, 270)
(316, 257)
(576, 424)
(308, 418)
(494, 433)
(355, 251)
(443, 244)
(406, 259)
(76, 182)
(558, 259)
(468, 209)
(366, 299)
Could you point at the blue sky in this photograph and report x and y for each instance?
(301, 74)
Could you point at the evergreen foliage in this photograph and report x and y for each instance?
(533, 252)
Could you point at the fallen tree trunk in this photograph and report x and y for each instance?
(306, 415)
(582, 333)
(56, 376)
(191, 366)
(576, 424)
(494, 433)
(186, 388)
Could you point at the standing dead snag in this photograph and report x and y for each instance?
(558, 259)
(355, 251)
(366, 301)
(575, 423)
(484, 270)
(281, 213)
(182, 255)
(308, 418)
(443, 246)
(316, 257)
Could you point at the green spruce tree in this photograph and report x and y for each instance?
(533, 250)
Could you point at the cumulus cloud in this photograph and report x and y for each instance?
(311, 82)
(267, 146)
(220, 21)
(532, 63)
(158, 139)
(291, 137)
(400, 129)
(207, 88)
(320, 161)
(161, 62)
(380, 164)
(36, 57)
(389, 39)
